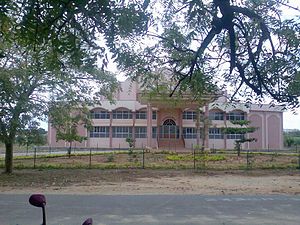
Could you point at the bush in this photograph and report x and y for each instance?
(197, 158)
(110, 157)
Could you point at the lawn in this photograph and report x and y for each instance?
(160, 160)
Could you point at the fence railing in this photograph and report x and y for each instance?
(42, 157)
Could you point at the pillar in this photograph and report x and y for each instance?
(149, 125)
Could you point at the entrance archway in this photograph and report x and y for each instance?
(169, 122)
(169, 130)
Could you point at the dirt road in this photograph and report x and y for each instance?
(125, 182)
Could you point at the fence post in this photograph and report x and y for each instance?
(143, 158)
(248, 162)
(34, 158)
(194, 152)
(90, 163)
(299, 159)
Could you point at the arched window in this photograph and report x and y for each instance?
(99, 114)
(169, 122)
(216, 115)
(236, 115)
(122, 114)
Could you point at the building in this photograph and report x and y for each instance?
(181, 125)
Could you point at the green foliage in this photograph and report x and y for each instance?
(289, 141)
(130, 142)
(110, 157)
(32, 136)
(66, 119)
(243, 129)
(209, 44)
(198, 158)
(292, 138)
(71, 28)
(49, 53)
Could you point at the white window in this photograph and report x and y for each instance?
(154, 132)
(215, 133)
(142, 115)
(122, 132)
(189, 133)
(95, 114)
(101, 132)
(189, 115)
(122, 114)
(214, 115)
(154, 115)
(235, 115)
(140, 132)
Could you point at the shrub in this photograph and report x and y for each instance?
(197, 158)
(110, 157)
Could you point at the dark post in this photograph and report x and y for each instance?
(249, 160)
(299, 159)
(90, 163)
(34, 157)
(194, 153)
(143, 158)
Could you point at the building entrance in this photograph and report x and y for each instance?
(169, 130)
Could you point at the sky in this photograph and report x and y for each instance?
(291, 120)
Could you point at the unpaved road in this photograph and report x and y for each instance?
(141, 182)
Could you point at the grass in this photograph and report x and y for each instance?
(191, 157)
(158, 160)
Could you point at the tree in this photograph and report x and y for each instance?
(66, 119)
(242, 130)
(245, 44)
(32, 135)
(71, 27)
(49, 53)
(289, 141)
(291, 137)
(28, 87)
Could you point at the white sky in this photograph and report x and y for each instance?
(290, 120)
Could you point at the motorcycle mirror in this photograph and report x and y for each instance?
(37, 200)
(89, 221)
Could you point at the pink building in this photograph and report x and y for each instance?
(159, 124)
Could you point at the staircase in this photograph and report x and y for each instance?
(171, 144)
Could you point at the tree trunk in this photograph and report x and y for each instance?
(8, 157)
(69, 150)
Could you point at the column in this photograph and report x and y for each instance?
(265, 142)
(110, 129)
(149, 125)
(206, 115)
(133, 125)
(180, 123)
(198, 128)
(225, 135)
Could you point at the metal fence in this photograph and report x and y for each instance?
(45, 157)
